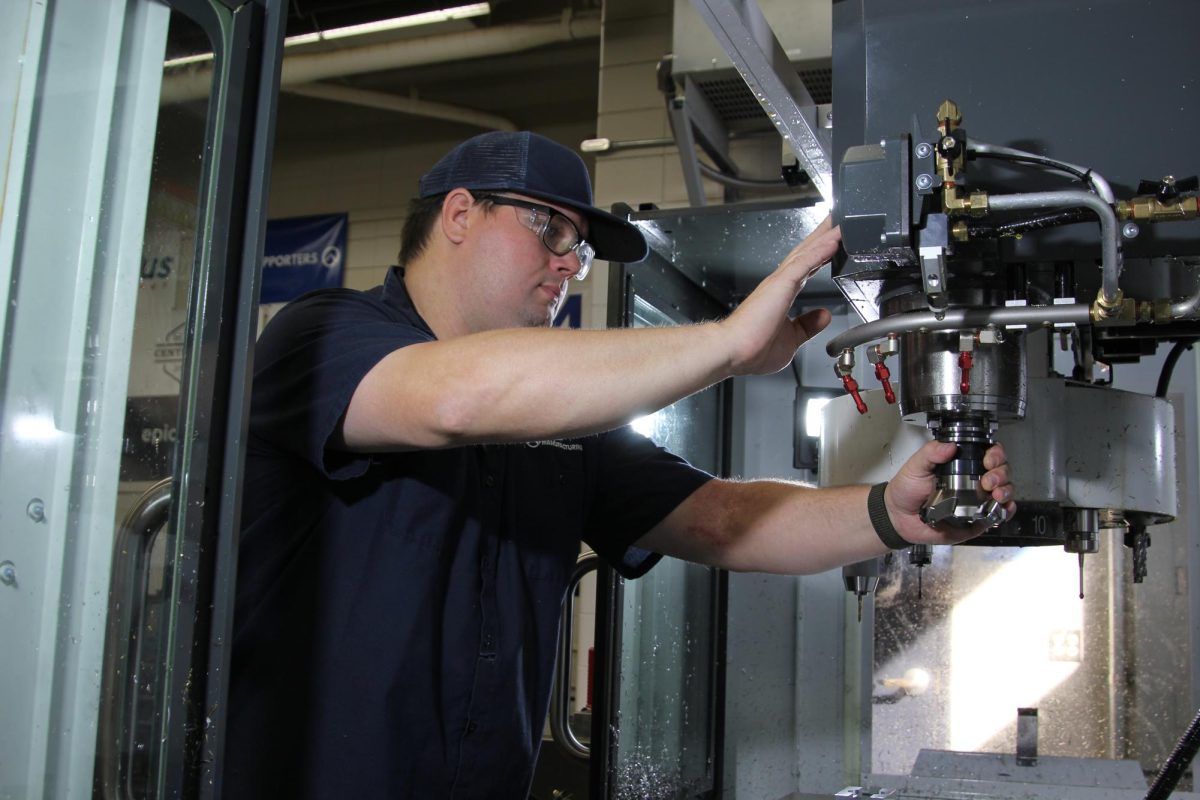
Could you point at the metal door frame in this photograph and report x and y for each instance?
(658, 279)
(215, 380)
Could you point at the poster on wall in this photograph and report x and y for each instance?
(571, 313)
(150, 434)
(301, 254)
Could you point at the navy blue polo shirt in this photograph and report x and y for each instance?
(397, 614)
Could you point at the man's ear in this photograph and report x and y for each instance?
(455, 217)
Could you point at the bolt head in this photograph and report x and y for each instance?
(924, 150)
(924, 181)
(1130, 230)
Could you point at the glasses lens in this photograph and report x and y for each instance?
(561, 235)
(536, 221)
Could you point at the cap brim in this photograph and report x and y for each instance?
(614, 238)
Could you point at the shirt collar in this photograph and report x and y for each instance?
(395, 295)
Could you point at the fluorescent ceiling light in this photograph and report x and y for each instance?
(396, 23)
(410, 21)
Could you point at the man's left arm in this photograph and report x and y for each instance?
(788, 528)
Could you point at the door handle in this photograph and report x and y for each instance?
(560, 705)
(118, 709)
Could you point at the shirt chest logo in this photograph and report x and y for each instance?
(555, 443)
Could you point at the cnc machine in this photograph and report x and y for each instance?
(1015, 183)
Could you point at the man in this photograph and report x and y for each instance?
(425, 458)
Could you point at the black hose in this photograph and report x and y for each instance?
(1036, 223)
(724, 178)
(1030, 158)
(1164, 377)
(1177, 762)
(739, 182)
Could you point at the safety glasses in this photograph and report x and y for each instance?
(557, 232)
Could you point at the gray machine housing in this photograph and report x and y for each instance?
(1110, 85)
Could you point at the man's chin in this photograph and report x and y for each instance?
(541, 320)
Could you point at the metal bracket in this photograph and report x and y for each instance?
(864, 793)
(933, 242)
(695, 122)
(933, 279)
(685, 143)
(744, 34)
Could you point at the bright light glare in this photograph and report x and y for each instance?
(1005, 639)
(645, 425)
(35, 429)
(396, 23)
(812, 415)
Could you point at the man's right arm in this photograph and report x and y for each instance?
(541, 383)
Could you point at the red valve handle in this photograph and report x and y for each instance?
(882, 372)
(964, 362)
(852, 387)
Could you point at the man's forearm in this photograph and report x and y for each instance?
(527, 384)
(769, 526)
(775, 526)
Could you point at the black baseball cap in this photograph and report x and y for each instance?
(533, 165)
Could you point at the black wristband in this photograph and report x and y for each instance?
(880, 520)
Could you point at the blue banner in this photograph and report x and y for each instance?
(571, 313)
(301, 254)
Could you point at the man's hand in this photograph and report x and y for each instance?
(915, 482)
(763, 337)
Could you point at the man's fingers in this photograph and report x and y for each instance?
(812, 253)
(995, 478)
(931, 455)
(994, 457)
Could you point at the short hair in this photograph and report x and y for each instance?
(423, 212)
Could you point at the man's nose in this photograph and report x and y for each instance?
(568, 266)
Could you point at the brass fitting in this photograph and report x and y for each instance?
(1147, 208)
(1112, 310)
(948, 116)
(960, 232)
(1162, 311)
(1127, 311)
(948, 119)
(976, 204)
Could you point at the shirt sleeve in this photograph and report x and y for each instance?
(308, 362)
(636, 485)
